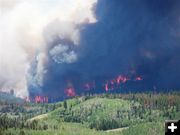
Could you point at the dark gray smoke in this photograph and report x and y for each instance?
(140, 37)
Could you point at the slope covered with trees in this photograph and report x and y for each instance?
(136, 114)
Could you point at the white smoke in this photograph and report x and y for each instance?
(62, 54)
(27, 26)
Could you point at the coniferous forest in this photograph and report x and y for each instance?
(103, 114)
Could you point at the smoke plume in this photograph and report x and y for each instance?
(64, 48)
(28, 29)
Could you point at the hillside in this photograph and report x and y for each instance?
(94, 111)
(111, 114)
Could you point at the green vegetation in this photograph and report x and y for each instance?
(105, 114)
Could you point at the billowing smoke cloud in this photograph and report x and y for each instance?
(130, 38)
(140, 36)
(58, 47)
(28, 31)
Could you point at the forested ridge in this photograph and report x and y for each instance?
(93, 113)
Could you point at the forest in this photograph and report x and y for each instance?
(104, 114)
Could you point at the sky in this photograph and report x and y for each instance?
(64, 48)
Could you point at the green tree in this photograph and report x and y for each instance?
(65, 104)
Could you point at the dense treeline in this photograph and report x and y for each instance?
(17, 116)
(27, 110)
(22, 124)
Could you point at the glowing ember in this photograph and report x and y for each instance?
(138, 78)
(70, 92)
(41, 99)
(106, 87)
(37, 99)
(116, 82)
(111, 84)
(121, 79)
